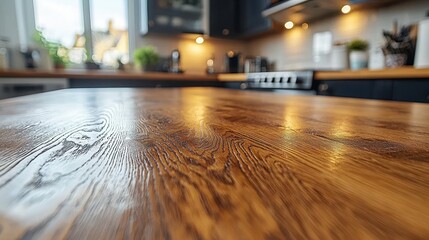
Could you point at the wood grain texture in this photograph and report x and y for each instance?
(205, 163)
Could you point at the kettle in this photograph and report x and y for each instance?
(31, 58)
(232, 62)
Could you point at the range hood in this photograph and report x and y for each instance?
(300, 11)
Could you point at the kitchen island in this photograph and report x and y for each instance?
(209, 163)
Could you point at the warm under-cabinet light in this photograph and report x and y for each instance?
(289, 25)
(199, 40)
(346, 9)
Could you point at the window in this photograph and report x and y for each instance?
(109, 31)
(63, 21)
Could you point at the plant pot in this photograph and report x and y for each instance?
(59, 66)
(92, 66)
(358, 60)
(396, 60)
(149, 68)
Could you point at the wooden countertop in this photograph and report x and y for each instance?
(394, 73)
(398, 73)
(105, 74)
(207, 163)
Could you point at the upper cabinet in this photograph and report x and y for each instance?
(232, 19)
(172, 16)
(224, 18)
(252, 21)
(300, 11)
(237, 18)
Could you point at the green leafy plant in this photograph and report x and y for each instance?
(146, 56)
(57, 51)
(358, 45)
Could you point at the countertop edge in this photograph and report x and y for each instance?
(107, 75)
(366, 74)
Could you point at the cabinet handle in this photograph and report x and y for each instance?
(323, 88)
(225, 31)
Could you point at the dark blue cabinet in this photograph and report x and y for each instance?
(224, 18)
(372, 89)
(172, 16)
(238, 18)
(232, 19)
(252, 22)
(409, 90)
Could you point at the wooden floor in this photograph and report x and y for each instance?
(211, 164)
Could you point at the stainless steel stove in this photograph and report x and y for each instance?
(290, 82)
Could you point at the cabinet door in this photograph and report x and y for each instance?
(252, 22)
(411, 90)
(224, 17)
(172, 16)
(371, 89)
(353, 88)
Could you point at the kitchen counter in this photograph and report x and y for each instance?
(395, 73)
(105, 74)
(207, 163)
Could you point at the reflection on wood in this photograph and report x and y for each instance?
(211, 164)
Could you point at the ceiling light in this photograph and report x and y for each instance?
(289, 25)
(199, 40)
(304, 26)
(346, 9)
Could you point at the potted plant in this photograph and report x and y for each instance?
(358, 54)
(57, 52)
(147, 58)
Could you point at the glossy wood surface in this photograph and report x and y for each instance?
(106, 74)
(206, 163)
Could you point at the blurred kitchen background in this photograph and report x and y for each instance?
(109, 31)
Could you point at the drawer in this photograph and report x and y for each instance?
(411, 90)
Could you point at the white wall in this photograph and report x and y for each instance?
(17, 25)
(293, 48)
(8, 21)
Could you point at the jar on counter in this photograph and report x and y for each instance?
(339, 57)
(4, 54)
